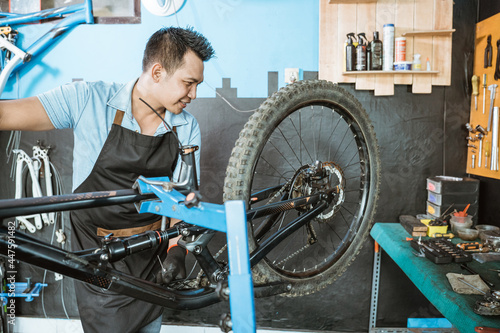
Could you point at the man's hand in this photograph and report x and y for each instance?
(174, 266)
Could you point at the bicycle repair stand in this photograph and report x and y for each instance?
(229, 218)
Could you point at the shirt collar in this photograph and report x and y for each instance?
(121, 100)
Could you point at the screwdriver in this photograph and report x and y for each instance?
(484, 92)
(486, 152)
(475, 88)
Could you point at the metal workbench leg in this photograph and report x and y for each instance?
(375, 285)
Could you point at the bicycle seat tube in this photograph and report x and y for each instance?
(188, 157)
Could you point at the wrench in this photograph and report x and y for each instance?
(492, 88)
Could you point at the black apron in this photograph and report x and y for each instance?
(124, 156)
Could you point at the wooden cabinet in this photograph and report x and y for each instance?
(426, 24)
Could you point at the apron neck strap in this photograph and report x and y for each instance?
(118, 117)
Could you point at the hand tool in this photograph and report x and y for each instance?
(497, 66)
(470, 270)
(481, 129)
(480, 136)
(492, 88)
(483, 329)
(484, 92)
(486, 152)
(475, 88)
(470, 285)
(488, 53)
(494, 140)
(470, 128)
(440, 235)
(462, 213)
(473, 161)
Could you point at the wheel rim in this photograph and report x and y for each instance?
(315, 131)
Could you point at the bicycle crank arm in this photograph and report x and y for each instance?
(280, 235)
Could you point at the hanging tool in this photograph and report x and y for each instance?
(470, 128)
(23, 158)
(42, 154)
(480, 136)
(488, 53)
(484, 92)
(497, 66)
(486, 152)
(492, 88)
(494, 141)
(475, 88)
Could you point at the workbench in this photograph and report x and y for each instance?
(431, 279)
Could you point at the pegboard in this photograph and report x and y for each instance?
(490, 26)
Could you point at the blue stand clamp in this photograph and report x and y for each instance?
(229, 218)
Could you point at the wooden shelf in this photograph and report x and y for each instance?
(428, 33)
(388, 72)
(429, 23)
(350, 1)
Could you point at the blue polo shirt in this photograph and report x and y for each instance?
(89, 109)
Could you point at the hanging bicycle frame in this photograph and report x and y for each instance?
(72, 16)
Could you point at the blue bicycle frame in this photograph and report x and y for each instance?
(75, 15)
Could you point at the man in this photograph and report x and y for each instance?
(117, 137)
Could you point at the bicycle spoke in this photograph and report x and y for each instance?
(288, 143)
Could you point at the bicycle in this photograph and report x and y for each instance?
(311, 195)
(12, 58)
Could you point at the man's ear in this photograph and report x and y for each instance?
(156, 72)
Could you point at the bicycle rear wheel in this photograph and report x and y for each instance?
(303, 126)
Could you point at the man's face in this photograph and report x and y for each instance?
(179, 89)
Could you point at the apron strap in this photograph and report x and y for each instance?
(118, 117)
(128, 231)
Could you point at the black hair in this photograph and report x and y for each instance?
(168, 46)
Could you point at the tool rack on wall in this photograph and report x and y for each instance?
(478, 148)
(426, 24)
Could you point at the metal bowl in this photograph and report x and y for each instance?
(491, 237)
(468, 234)
(487, 228)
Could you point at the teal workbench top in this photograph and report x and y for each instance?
(431, 279)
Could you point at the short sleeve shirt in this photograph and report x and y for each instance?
(89, 109)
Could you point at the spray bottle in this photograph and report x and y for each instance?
(350, 52)
(361, 52)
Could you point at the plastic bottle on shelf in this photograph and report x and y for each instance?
(376, 49)
(416, 62)
(388, 49)
(350, 53)
(361, 52)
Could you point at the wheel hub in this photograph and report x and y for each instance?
(321, 177)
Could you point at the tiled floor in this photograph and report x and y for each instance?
(40, 325)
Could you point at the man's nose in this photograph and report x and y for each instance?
(192, 93)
